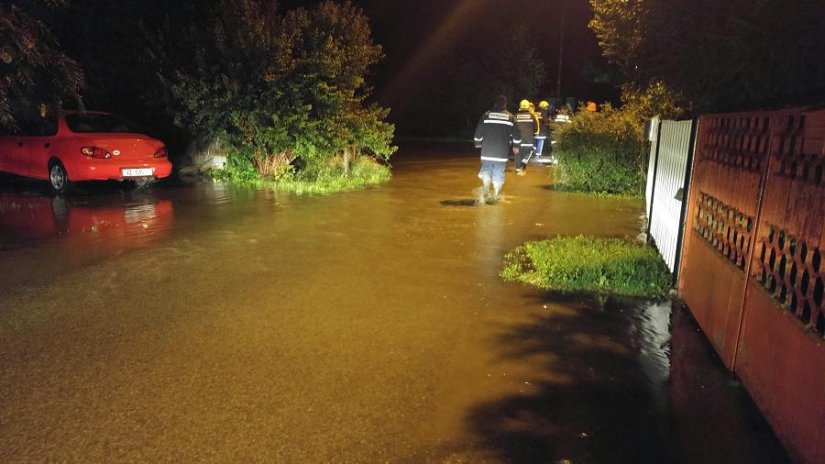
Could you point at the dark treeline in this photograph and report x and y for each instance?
(719, 55)
(91, 54)
(445, 61)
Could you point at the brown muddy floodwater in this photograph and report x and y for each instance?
(207, 323)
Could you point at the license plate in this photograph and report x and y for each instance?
(136, 172)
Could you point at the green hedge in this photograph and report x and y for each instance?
(606, 152)
(595, 171)
(602, 152)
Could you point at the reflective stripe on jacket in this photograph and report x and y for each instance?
(496, 132)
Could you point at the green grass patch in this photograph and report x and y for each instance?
(364, 172)
(589, 265)
(324, 180)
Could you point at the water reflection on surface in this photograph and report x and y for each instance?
(82, 223)
(605, 388)
(211, 322)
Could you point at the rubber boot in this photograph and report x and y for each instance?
(496, 192)
(481, 192)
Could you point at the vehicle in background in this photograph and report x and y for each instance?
(82, 146)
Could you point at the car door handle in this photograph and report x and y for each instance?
(19, 144)
(47, 145)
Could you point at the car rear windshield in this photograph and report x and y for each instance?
(85, 123)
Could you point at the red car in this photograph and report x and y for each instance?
(77, 146)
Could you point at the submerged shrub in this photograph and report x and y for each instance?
(277, 87)
(595, 171)
(606, 151)
(588, 264)
(316, 179)
(602, 152)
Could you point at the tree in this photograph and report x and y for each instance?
(33, 70)
(618, 25)
(277, 86)
(109, 41)
(720, 55)
(463, 84)
(515, 66)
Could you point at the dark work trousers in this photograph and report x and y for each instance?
(524, 152)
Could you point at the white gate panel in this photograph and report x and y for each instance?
(670, 171)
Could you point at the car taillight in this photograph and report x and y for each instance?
(95, 152)
(161, 153)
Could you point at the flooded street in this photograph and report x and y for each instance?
(210, 323)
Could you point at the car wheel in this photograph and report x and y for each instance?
(58, 179)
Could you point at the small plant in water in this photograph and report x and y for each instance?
(318, 180)
(591, 265)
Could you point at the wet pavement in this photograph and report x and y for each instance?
(210, 323)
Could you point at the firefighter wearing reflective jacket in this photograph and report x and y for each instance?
(528, 127)
(496, 134)
(544, 127)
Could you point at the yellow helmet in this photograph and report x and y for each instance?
(523, 105)
(543, 104)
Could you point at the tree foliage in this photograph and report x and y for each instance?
(656, 99)
(506, 62)
(34, 70)
(277, 86)
(727, 55)
(618, 27)
(513, 67)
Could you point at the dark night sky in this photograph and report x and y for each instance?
(415, 34)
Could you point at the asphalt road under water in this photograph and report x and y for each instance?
(209, 323)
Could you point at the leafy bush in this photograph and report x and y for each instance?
(656, 99)
(278, 87)
(319, 178)
(602, 152)
(239, 167)
(595, 173)
(605, 151)
(588, 264)
(331, 177)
